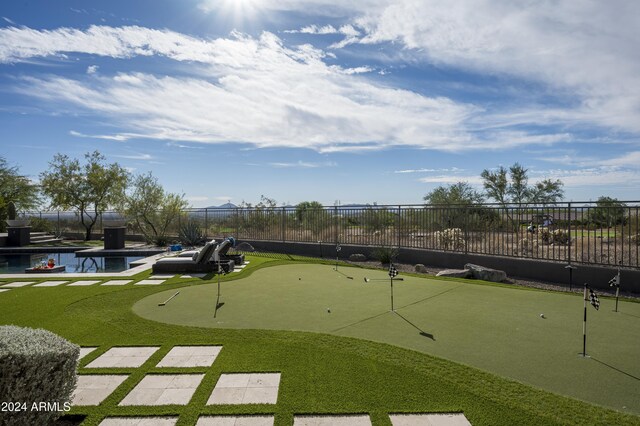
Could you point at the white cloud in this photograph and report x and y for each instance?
(139, 156)
(452, 169)
(121, 137)
(451, 179)
(196, 198)
(92, 69)
(595, 176)
(587, 48)
(304, 165)
(293, 98)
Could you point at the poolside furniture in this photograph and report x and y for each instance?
(199, 262)
(220, 253)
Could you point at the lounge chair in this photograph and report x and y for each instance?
(220, 253)
(200, 262)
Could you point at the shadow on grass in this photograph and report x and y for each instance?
(360, 321)
(422, 333)
(431, 297)
(631, 315)
(616, 369)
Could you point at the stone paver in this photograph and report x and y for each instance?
(161, 276)
(447, 419)
(235, 421)
(246, 388)
(93, 389)
(50, 283)
(139, 421)
(83, 282)
(193, 276)
(150, 282)
(333, 420)
(190, 356)
(116, 282)
(86, 351)
(17, 284)
(4, 289)
(133, 356)
(164, 389)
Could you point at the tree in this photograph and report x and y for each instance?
(312, 216)
(91, 188)
(460, 193)
(459, 206)
(608, 212)
(17, 188)
(152, 209)
(516, 189)
(307, 210)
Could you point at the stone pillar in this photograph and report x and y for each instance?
(114, 238)
(19, 236)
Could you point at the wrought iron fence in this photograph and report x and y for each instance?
(574, 232)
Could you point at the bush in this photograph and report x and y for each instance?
(450, 239)
(191, 234)
(558, 236)
(41, 225)
(384, 254)
(36, 366)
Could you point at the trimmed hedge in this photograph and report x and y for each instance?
(37, 375)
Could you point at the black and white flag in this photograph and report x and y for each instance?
(593, 299)
(338, 248)
(392, 271)
(615, 281)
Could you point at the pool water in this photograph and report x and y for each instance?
(17, 263)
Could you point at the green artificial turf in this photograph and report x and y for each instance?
(491, 327)
(321, 373)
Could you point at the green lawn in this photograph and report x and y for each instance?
(490, 327)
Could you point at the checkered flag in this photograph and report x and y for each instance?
(392, 271)
(593, 299)
(615, 281)
(338, 248)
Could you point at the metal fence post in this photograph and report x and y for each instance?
(283, 226)
(206, 223)
(398, 224)
(569, 232)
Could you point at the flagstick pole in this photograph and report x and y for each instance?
(584, 324)
(392, 310)
(618, 290)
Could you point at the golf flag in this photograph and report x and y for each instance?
(593, 299)
(392, 271)
(615, 281)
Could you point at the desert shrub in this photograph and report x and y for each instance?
(450, 239)
(384, 254)
(36, 366)
(191, 234)
(557, 236)
(528, 246)
(41, 225)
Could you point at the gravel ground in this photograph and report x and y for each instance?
(433, 270)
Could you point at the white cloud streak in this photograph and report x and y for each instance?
(303, 165)
(292, 97)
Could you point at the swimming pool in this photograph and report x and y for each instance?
(17, 263)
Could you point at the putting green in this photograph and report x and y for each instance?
(493, 328)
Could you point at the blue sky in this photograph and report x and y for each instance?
(356, 102)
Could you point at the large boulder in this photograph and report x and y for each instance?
(358, 257)
(455, 273)
(482, 273)
(419, 267)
